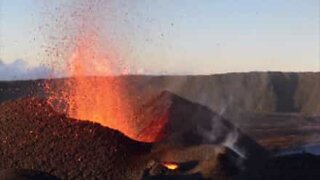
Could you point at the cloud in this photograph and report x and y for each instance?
(20, 70)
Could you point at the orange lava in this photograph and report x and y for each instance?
(89, 95)
(97, 99)
(171, 166)
(101, 100)
(93, 92)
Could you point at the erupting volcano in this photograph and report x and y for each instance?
(94, 92)
(145, 90)
(91, 95)
(104, 100)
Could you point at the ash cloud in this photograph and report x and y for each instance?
(20, 70)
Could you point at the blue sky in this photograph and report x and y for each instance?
(184, 36)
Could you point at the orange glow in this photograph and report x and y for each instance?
(103, 100)
(100, 100)
(93, 93)
(171, 166)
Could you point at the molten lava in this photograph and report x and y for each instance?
(171, 166)
(105, 100)
(88, 97)
(83, 52)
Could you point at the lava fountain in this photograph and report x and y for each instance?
(86, 96)
(92, 92)
(93, 98)
(90, 95)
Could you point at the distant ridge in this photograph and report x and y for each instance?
(230, 94)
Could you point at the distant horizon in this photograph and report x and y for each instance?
(158, 75)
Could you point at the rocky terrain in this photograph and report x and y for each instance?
(278, 110)
(282, 131)
(265, 100)
(33, 136)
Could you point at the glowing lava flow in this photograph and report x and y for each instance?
(171, 166)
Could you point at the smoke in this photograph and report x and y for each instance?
(20, 70)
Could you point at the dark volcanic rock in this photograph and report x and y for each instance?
(24, 174)
(189, 126)
(33, 136)
(282, 131)
(10, 90)
(291, 167)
